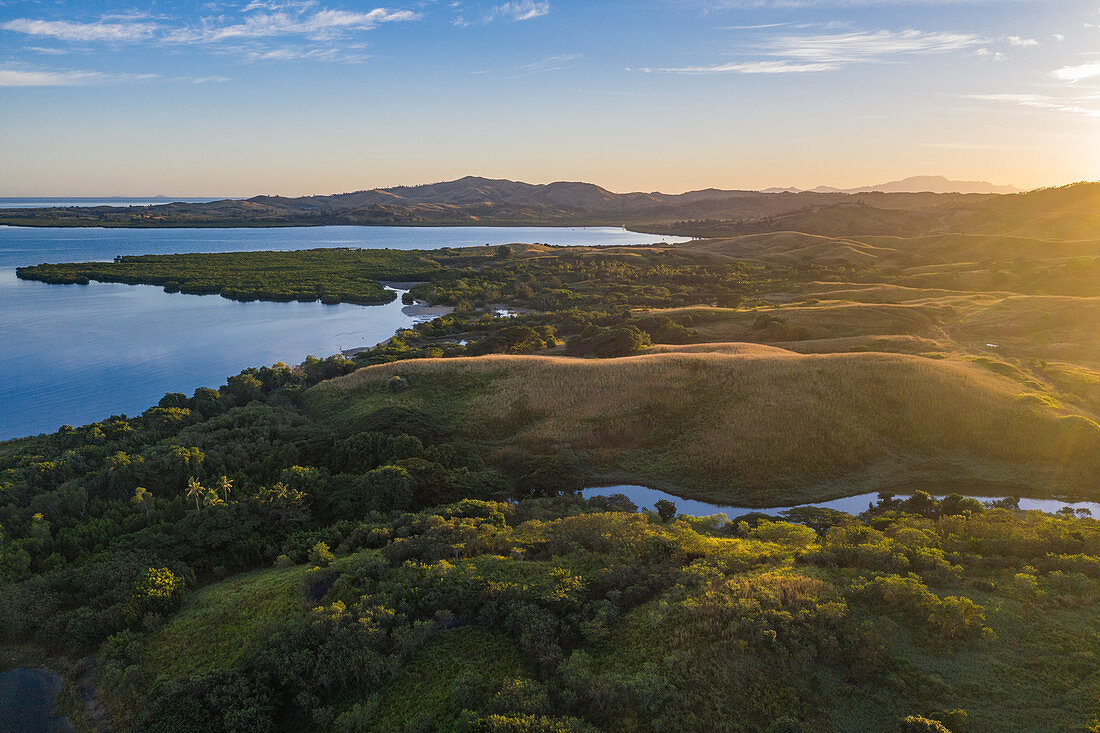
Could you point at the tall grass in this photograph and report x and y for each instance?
(755, 426)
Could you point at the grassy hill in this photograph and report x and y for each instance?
(797, 246)
(759, 427)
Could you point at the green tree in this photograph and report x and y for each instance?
(196, 491)
(143, 498)
(666, 510)
(225, 486)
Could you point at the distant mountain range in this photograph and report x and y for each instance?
(913, 184)
(1063, 213)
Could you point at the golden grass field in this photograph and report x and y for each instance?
(754, 424)
(925, 377)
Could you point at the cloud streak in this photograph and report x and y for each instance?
(833, 51)
(1074, 74)
(101, 30)
(845, 48)
(522, 10)
(32, 78)
(788, 4)
(323, 23)
(751, 67)
(260, 21)
(1039, 101)
(515, 11)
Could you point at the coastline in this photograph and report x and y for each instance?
(419, 312)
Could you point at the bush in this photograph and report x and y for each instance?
(157, 591)
(666, 510)
(214, 701)
(321, 555)
(920, 724)
(609, 342)
(783, 533)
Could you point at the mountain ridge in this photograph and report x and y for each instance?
(1058, 213)
(912, 184)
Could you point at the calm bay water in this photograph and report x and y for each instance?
(73, 354)
(646, 497)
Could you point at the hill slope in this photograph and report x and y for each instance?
(473, 200)
(757, 427)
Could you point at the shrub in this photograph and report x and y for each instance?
(784, 533)
(920, 724)
(157, 590)
(321, 555)
(666, 510)
(609, 342)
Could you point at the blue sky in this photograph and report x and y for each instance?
(259, 96)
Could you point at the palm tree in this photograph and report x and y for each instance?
(143, 497)
(226, 486)
(195, 490)
(210, 498)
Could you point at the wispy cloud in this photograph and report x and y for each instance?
(521, 10)
(292, 53)
(1074, 74)
(261, 30)
(1039, 101)
(100, 30)
(1021, 42)
(515, 11)
(260, 20)
(863, 45)
(751, 67)
(757, 27)
(324, 23)
(787, 4)
(32, 78)
(550, 63)
(832, 51)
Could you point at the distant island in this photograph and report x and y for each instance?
(472, 201)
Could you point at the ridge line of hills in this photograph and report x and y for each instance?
(1055, 213)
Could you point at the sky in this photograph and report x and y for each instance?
(243, 97)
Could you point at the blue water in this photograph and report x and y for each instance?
(645, 498)
(26, 702)
(74, 354)
(33, 245)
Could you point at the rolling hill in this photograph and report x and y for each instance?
(748, 425)
(472, 200)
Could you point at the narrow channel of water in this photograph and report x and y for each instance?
(645, 498)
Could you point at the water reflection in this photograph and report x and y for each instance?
(645, 498)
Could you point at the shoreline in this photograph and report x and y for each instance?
(635, 493)
(419, 312)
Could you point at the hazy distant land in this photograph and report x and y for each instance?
(481, 201)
